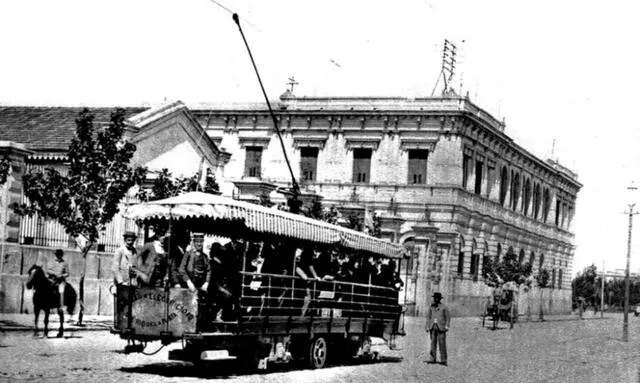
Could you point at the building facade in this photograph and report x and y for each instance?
(440, 173)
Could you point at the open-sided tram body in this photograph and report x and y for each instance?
(277, 318)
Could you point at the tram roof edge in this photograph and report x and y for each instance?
(260, 219)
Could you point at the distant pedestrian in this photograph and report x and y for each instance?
(124, 259)
(58, 272)
(438, 320)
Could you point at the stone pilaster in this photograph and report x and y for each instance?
(425, 236)
(390, 227)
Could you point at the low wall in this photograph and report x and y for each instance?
(17, 259)
(464, 297)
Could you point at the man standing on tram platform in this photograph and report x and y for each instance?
(124, 259)
(438, 320)
(195, 268)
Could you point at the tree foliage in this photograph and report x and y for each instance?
(86, 197)
(5, 167)
(542, 278)
(165, 185)
(509, 269)
(586, 285)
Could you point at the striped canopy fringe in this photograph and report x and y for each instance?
(260, 219)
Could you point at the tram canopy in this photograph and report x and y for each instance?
(260, 219)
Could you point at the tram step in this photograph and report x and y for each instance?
(216, 355)
(201, 335)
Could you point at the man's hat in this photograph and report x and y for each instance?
(195, 236)
(437, 296)
(59, 253)
(130, 234)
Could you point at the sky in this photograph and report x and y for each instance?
(563, 74)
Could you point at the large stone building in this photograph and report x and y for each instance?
(441, 174)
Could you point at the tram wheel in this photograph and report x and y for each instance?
(318, 352)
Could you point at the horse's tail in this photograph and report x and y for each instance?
(70, 298)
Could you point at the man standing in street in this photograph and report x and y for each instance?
(438, 319)
(123, 259)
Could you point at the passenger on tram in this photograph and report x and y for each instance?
(151, 263)
(195, 268)
(305, 270)
(277, 261)
(224, 274)
(176, 243)
(253, 291)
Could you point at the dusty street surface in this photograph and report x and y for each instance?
(558, 351)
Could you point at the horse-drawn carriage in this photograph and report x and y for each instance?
(502, 305)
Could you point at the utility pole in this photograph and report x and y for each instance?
(602, 293)
(625, 321)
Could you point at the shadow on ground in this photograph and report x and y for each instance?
(225, 370)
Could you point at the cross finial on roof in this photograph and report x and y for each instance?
(292, 82)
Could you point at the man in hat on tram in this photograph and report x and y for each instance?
(123, 259)
(195, 268)
(438, 320)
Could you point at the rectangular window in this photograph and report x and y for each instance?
(491, 179)
(253, 161)
(308, 163)
(478, 186)
(417, 167)
(466, 170)
(560, 279)
(558, 206)
(361, 165)
(460, 263)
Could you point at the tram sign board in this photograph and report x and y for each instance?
(152, 313)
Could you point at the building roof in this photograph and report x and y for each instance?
(48, 129)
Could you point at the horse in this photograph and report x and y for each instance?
(47, 297)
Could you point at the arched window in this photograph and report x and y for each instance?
(546, 204)
(521, 256)
(536, 201)
(532, 258)
(460, 256)
(475, 260)
(498, 253)
(515, 191)
(527, 197)
(559, 279)
(541, 262)
(504, 179)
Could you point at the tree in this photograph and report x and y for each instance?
(5, 167)
(84, 199)
(165, 185)
(585, 285)
(509, 269)
(542, 281)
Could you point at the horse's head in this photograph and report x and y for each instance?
(35, 276)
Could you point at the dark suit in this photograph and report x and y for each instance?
(438, 320)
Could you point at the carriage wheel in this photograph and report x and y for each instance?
(318, 353)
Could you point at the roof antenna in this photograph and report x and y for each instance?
(447, 69)
(294, 202)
